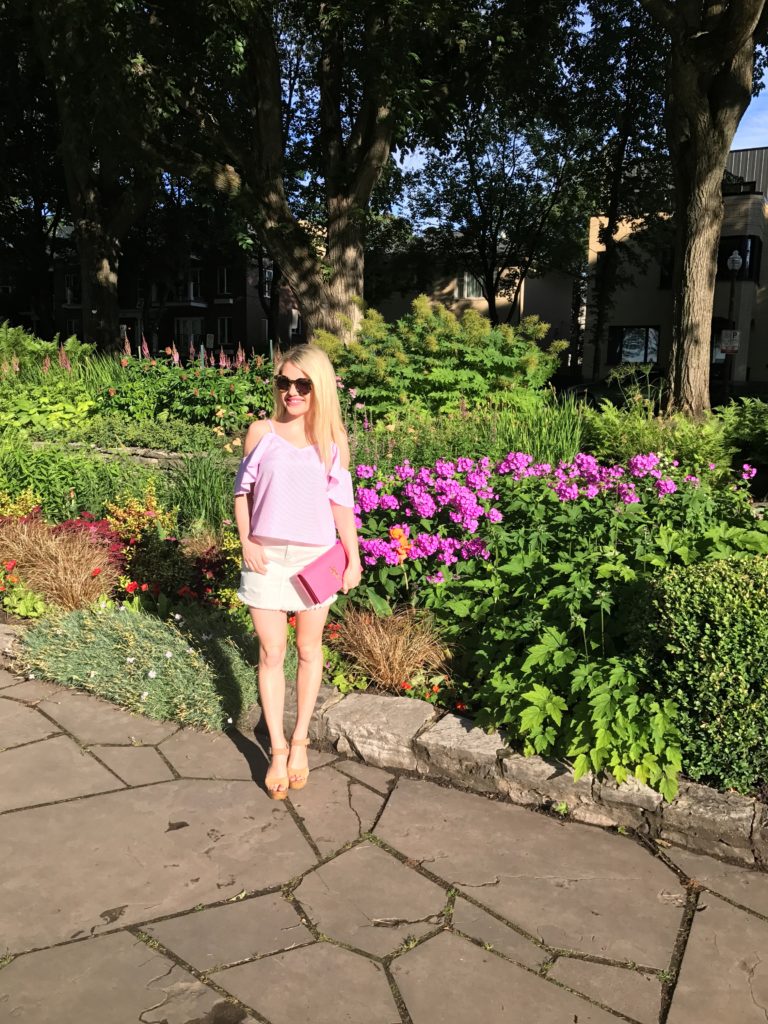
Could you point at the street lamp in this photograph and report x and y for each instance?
(734, 264)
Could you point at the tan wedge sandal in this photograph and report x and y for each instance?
(273, 781)
(302, 774)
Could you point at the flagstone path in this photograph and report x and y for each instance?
(146, 877)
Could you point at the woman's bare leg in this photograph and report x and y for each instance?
(309, 645)
(271, 629)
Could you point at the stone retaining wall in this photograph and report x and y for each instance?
(154, 457)
(400, 732)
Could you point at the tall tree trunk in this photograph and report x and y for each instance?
(99, 261)
(709, 85)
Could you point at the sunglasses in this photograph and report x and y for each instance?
(303, 384)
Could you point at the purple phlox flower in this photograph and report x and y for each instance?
(437, 578)
(747, 471)
(352, 392)
(665, 486)
(692, 480)
(365, 472)
(388, 502)
(406, 471)
(464, 465)
(368, 499)
(445, 469)
(642, 465)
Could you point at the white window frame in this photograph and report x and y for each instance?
(71, 289)
(188, 328)
(224, 337)
(222, 281)
(468, 286)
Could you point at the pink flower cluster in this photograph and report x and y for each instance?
(586, 478)
(457, 495)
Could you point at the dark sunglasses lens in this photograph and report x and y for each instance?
(303, 384)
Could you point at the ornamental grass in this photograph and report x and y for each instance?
(69, 569)
(391, 650)
(194, 669)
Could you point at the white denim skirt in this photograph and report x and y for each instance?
(277, 588)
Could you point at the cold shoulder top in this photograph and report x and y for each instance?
(291, 492)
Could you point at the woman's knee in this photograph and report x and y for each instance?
(271, 655)
(309, 650)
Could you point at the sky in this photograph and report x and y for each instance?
(753, 130)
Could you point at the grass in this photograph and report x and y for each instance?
(547, 428)
(201, 489)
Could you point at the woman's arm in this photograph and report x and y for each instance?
(344, 518)
(253, 553)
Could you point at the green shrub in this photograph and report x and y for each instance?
(745, 427)
(199, 671)
(615, 435)
(435, 360)
(68, 482)
(25, 347)
(710, 637)
(119, 429)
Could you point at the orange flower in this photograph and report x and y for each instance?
(124, 361)
(13, 579)
(406, 686)
(2, 588)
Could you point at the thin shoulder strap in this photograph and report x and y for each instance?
(271, 428)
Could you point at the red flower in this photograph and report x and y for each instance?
(461, 707)
(2, 588)
(144, 587)
(10, 566)
(124, 361)
(291, 620)
(132, 587)
(96, 572)
(406, 686)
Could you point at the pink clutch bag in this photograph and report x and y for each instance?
(322, 578)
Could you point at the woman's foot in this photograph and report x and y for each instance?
(276, 780)
(298, 764)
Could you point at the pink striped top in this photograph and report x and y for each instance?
(291, 493)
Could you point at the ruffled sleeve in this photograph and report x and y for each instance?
(249, 468)
(339, 482)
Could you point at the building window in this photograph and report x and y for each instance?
(224, 330)
(188, 329)
(222, 281)
(633, 345)
(468, 286)
(72, 328)
(72, 289)
(7, 282)
(188, 287)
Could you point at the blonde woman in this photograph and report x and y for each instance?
(293, 494)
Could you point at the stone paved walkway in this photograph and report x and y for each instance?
(146, 877)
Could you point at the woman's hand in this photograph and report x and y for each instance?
(254, 557)
(352, 576)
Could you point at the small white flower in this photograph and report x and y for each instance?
(177, 617)
(190, 650)
(93, 675)
(30, 677)
(168, 654)
(152, 674)
(229, 721)
(205, 636)
(145, 695)
(130, 660)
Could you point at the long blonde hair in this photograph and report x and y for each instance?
(324, 424)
